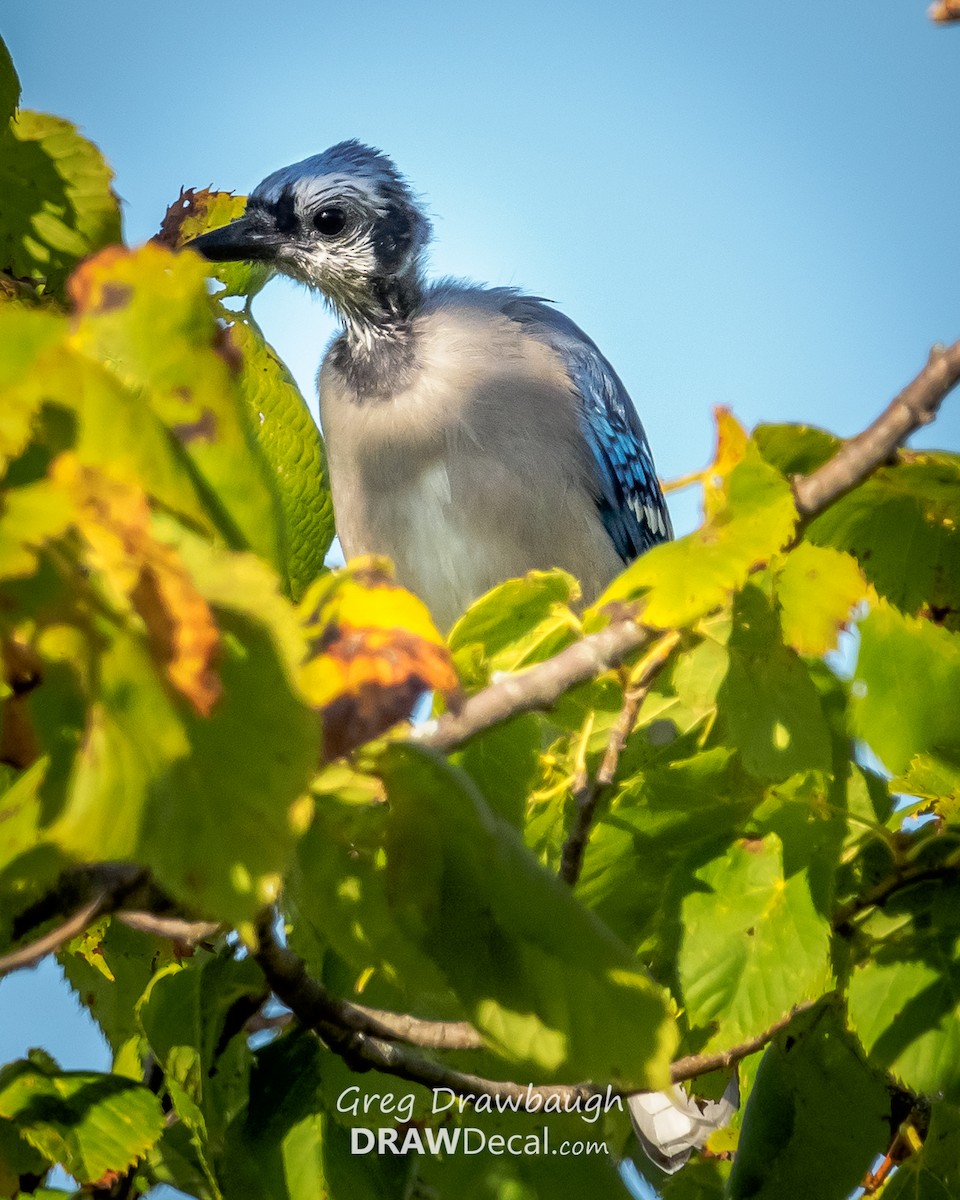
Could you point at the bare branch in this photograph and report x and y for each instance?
(537, 688)
(177, 929)
(571, 859)
(916, 406)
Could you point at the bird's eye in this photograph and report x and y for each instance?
(328, 222)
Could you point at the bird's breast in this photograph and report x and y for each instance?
(473, 472)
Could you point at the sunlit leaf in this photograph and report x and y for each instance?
(753, 943)
(88, 1122)
(147, 315)
(816, 590)
(768, 703)
(904, 1001)
(198, 210)
(541, 977)
(683, 580)
(518, 623)
(58, 205)
(291, 442)
(114, 518)
(907, 687)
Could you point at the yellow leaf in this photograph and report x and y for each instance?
(817, 589)
(732, 441)
(115, 521)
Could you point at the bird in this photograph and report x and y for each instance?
(473, 433)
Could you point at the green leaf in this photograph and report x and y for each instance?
(544, 981)
(660, 817)
(339, 887)
(815, 1120)
(907, 687)
(754, 944)
(24, 336)
(291, 442)
(88, 1122)
(904, 1001)
(504, 763)
(9, 85)
(58, 204)
(17, 1158)
(198, 211)
(518, 623)
(795, 449)
(684, 580)
(284, 1147)
(30, 516)
(208, 807)
(109, 968)
(903, 525)
(769, 706)
(193, 1018)
(934, 1173)
(146, 315)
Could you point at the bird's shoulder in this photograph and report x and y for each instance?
(627, 491)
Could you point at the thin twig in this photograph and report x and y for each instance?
(916, 406)
(571, 858)
(878, 895)
(695, 1065)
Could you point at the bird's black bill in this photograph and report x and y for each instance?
(240, 241)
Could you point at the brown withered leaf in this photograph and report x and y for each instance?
(194, 212)
(114, 519)
(375, 652)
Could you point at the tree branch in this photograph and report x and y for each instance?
(287, 974)
(177, 929)
(878, 895)
(50, 943)
(571, 858)
(916, 406)
(362, 1049)
(537, 688)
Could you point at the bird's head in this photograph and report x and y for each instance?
(344, 222)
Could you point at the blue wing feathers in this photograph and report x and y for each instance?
(628, 494)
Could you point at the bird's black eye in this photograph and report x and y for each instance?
(328, 222)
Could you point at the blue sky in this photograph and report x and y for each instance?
(744, 204)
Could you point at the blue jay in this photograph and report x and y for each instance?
(473, 433)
